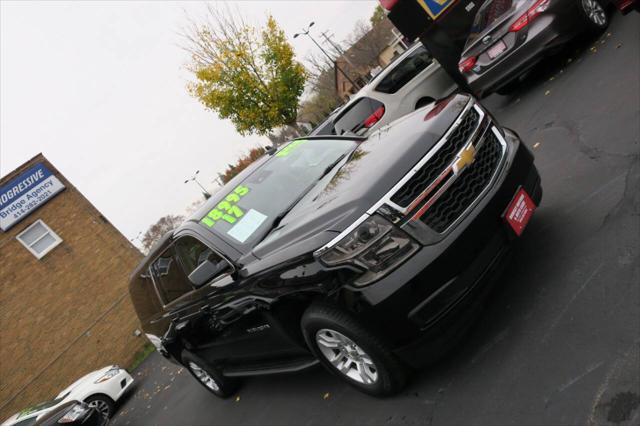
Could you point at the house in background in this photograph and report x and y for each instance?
(367, 56)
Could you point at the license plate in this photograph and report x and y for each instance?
(495, 50)
(519, 211)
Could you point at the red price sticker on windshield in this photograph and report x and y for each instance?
(520, 211)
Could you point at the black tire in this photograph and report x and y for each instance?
(592, 27)
(424, 102)
(391, 374)
(104, 404)
(220, 386)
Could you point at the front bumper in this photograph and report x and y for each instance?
(419, 307)
(121, 384)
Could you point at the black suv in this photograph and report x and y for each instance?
(362, 254)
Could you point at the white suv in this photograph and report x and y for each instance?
(411, 81)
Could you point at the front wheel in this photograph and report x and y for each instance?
(351, 351)
(209, 376)
(102, 403)
(594, 15)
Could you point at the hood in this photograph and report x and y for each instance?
(86, 379)
(372, 169)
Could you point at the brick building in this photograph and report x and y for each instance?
(64, 305)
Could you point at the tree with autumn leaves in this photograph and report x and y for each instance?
(245, 74)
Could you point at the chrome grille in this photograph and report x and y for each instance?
(439, 162)
(462, 193)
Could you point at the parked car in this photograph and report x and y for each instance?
(100, 389)
(73, 413)
(626, 6)
(51, 413)
(361, 253)
(509, 37)
(414, 79)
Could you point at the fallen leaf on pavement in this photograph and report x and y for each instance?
(619, 46)
(326, 396)
(535, 145)
(547, 93)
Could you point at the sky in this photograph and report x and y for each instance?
(100, 89)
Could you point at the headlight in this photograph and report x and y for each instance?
(113, 371)
(74, 414)
(376, 246)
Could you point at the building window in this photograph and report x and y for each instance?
(39, 239)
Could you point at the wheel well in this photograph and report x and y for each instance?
(288, 312)
(103, 395)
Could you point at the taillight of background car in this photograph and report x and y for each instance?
(531, 13)
(374, 118)
(467, 64)
(388, 4)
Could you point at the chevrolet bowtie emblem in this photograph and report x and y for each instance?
(466, 158)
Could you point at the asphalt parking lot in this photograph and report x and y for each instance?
(558, 342)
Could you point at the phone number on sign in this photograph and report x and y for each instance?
(23, 207)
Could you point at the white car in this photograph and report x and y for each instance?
(411, 81)
(99, 389)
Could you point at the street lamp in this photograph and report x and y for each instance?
(194, 179)
(306, 32)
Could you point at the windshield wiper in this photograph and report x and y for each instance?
(330, 167)
(281, 215)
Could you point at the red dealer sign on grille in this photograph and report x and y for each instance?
(520, 211)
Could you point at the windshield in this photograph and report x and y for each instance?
(488, 14)
(249, 210)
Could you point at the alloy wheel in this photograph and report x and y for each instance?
(101, 406)
(595, 12)
(346, 356)
(204, 377)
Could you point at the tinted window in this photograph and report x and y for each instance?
(405, 71)
(247, 212)
(488, 14)
(193, 252)
(326, 128)
(352, 121)
(144, 296)
(169, 276)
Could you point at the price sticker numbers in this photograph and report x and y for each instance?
(227, 210)
(288, 149)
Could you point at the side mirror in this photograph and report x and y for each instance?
(205, 272)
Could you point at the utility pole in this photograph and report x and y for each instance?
(336, 47)
(306, 32)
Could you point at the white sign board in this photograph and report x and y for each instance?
(25, 193)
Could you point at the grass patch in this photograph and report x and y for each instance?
(141, 355)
